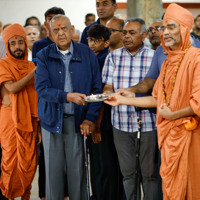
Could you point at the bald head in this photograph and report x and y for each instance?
(116, 26)
(154, 34)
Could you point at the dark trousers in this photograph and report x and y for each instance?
(41, 179)
(106, 177)
(125, 145)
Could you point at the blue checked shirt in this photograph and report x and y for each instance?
(122, 70)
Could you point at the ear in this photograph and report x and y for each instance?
(115, 6)
(106, 43)
(73, 29)
(144, 35)
(45, 23)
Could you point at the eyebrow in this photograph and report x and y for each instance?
(171, 25)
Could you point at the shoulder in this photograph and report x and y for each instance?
(40, 41)
(82, 49)
(46, 50)
(87, 27)
(148, 52)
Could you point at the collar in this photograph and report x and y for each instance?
(76, 54)
(70, 50)
(138, 51)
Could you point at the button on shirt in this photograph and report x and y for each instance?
(66, 57)
(122, 70)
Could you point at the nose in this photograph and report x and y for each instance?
(166, 31)
(17, 45)
(153, 31)
(60, 32)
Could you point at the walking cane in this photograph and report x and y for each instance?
(86, 167)
(138, 170)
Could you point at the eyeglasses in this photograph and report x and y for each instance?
(104, 4)
(114, 30)
(156, 28)
(169, 27)
(96, 41)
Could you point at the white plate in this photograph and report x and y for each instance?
(96, 98)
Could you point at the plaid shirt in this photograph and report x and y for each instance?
(122, 70)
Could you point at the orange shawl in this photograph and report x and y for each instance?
(175, 142)
(19, 161)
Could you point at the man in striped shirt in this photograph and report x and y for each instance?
(123, 68)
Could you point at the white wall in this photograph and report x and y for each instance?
(16, 11)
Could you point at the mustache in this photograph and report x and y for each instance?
(168, 36)
(18, 50)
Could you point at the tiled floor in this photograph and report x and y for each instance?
(34, 191)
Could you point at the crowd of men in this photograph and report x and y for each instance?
(98, 150)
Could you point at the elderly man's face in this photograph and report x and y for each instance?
(62, 33)
(154, 33)
(171, 34)
(32, 35)
(17, 47)
(132, 37)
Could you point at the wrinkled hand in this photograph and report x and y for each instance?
(76, 98)
(166, 112)
(125, 92)
(114, 100)
(87, 128)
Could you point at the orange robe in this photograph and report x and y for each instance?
(18, 132)
(180, 149)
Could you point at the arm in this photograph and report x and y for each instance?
(16, 86)
(143, 87)
(146, 85)
(108, 89)
(144, 102)
(166, 112)
(43, 84)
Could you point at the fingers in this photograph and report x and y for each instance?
(86, 129)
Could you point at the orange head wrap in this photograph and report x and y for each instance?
(11, 31)
(185, 20)
(180, 15)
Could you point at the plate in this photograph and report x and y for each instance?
(96, 97)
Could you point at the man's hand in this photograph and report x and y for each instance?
(125, 92)
(115, 100)
(166, 112)
(87, 128)
(76, 98)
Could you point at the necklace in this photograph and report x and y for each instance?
(174, 79)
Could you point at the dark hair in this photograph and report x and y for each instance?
(139, 20)
(113, 1)
(89, 15)
(195, 19)
(54, 10)
(28, 21)
(99, 31)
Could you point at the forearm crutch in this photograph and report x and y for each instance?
(138, 170)
(86, 167)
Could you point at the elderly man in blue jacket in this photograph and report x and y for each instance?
(66, 73)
